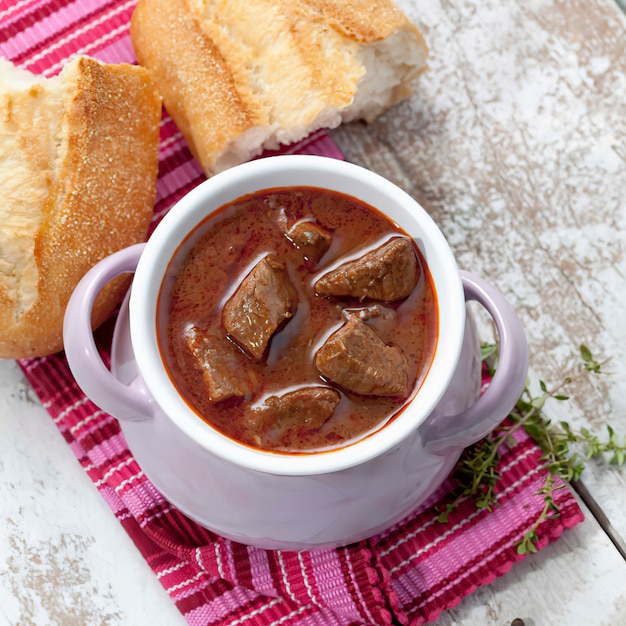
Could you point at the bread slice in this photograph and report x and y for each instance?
(238, 76)
(78, 168)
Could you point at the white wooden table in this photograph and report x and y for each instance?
(516, 144)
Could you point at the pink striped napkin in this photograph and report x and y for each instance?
(407, 575)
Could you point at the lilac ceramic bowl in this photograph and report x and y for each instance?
(306, 500)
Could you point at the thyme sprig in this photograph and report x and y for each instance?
(476, 472)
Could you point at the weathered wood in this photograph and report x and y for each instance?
(65, 557)
(516, 144)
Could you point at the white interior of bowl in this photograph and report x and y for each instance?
(287, 171)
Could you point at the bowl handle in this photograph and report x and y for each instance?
(445, 432)
(85, 362)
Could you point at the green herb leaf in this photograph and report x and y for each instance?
(591, 365)
(585, 353)
(487, 350)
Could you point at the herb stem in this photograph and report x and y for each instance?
(477, 470)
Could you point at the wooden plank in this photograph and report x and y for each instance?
(601, 517)
(65, 557)
(516, 145)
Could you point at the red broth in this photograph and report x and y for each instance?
(229, 244)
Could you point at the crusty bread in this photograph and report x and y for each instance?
(238, 76)
(78, 168)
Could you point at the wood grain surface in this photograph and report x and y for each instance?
(515, 143)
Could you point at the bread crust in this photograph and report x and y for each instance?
(365, 21)
(238, 76)
(197, 86)
(101, 186)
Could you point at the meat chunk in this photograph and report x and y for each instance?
(222, 365)
(262, 303)
(357, 359)
(308, 408)
(311, 239)
(388, 273)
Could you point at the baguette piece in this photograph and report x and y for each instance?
(78, 168)
(239, 76)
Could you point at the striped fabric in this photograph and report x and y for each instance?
(407, 575)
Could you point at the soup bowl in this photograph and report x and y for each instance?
(287, 500)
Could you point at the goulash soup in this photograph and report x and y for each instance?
(301, 320)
